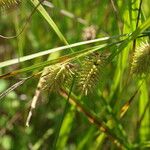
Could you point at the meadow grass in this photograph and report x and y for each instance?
(70, 72)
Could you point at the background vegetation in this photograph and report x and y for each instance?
(115, 115)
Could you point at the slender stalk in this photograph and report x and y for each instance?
(93, 119)
(63, 116)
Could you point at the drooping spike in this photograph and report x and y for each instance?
(90, 72)
(141, 59)
(6, 4)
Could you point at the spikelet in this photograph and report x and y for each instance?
(89, 33)
(8, 3)
(90, 72)
(54, 77)
(141, 59)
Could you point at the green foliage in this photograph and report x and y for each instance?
(88, 93)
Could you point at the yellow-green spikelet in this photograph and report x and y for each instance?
(8, 3)
(54, 77)
(141, 59)
(90, 73)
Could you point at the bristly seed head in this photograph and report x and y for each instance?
(8, 3)
(90, 72)
(141, 59)
(55, 76)
(89, 33)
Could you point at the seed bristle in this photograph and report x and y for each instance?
(90, 72)
(141, 59)
(7, 4)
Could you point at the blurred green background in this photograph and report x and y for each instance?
(109, 18)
